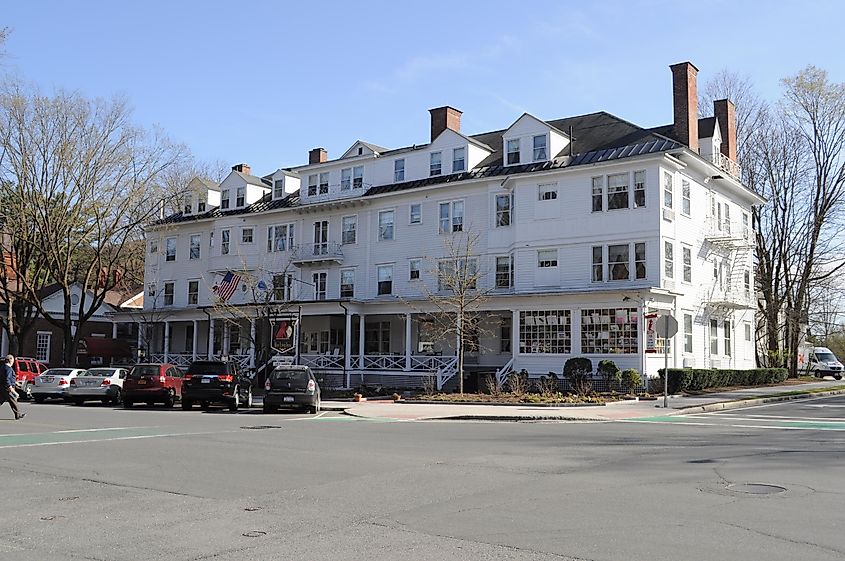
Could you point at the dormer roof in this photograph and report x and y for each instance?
(251, 179)
(469, 139)
(353, 150)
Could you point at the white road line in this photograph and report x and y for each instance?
(831, 405)
(784, 417)
(34, 444)
(773, 418)
(676, 423)
(75, 430)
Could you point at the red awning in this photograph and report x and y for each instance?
(102, 347)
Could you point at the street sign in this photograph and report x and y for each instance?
(665, 326)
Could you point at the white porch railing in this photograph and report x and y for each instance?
(176, 359)
(447, 372)
(726, 164)
(383, 362)
(322, 361)
(503, 373)
(429, 362)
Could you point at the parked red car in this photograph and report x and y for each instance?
(152, 383)
(26, 369)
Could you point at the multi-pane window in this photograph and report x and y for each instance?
(321, 237)
(617, 191)
(505, 336)
(347, 283)
(168, 293)
(545, 332)
(618, 261)
(385, 279)
(503, 210)
(668, 260)
(357, 177)
(639, 261)
(224, 199)
(513, 151)
(240, 196)
(312, 185)
(746, 232)
(385, 225)
(547, 258)
(188, 207)
(282, 287)
(540, 152)
(151, 291)
(687, 256)
(170, 249)
(319, 281)
(609, 331)
(153, 246)
(280, 238)
(349, 230)
(201, 206)
(193, 292)
(714, 337)
(377, 337)
(668, 189)
(323, 186)
(224, 242)
(278, 189)
(345, 179)
(547, 191)
(452, 217)
(459, 159)
(246, 235)
(726, 330)
(687, 333)
(746, 281)
(415, 214)
(42, 347)
(399, 170)
(598, 263)
(639, 189)
(457, 274)
(504, 271)
(414, 269)
(435, 165)
(727, 218)
(598, 200)
(686, 201)
(196, 240)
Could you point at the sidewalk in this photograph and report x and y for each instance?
(678, 405)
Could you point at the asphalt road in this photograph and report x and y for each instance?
(108, 484)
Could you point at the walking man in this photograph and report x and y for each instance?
(8, 387)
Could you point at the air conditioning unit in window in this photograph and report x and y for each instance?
(689, 362)
(715, 363)
(668, 214)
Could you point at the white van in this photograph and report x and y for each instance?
(820, 362)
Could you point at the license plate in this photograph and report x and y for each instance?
(206, 380)
(288, 398)
(141, 382)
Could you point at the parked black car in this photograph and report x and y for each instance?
(293, 387)
(215, 381)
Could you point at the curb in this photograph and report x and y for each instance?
(493, 404)
(513, 418)
(739, 404)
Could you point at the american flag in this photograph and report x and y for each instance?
(226, 287)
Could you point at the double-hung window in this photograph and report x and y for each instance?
(193, 292)
(278, 189)
(617, 191)
(324, 183)
(319, 281)
(347, 283)
(188, 206)
(224, 199)
(246, 235)
(504, 271)
(459, 162)
(639, 261)
(503, 210)
(639, 189)
(399, 170)
(687, 333)
(224, 242)
(687, 257)
(414, 269)
(345, 179)
(726, 331)
(598, 263)
(312, 185)
(513, 151)
(547, 258)
(452, 217)
(153, 246)
(714, 336)
(547, 191)
(168, 293)
(618, 261)
(746, 281)
(668, 260)
(240, 196)
(435, 165)
(170, 249)
(668, 189)
(686, 202)
(598, 197)
(385, 225)
(357, 177)
(415, 214)
(195, 246)
(385, 279)
(540, 152)
(349, 230)
(279, 238)
(201, 206)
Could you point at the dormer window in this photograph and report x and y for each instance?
(357, 177)
(399, 170)
(188, 207)
(224, 199)
(240, 196)
(513, 151)
(312, 185)
(278, 188)
(459, 161)
(435, 166)
(540, 152)
(324, 183)
(201, 206)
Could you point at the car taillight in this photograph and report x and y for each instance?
(161, 379)
(187, 376)
(105, 382)
(225, 377)
(72, 382)
(311, 386)
(267, 385)
(62, 382)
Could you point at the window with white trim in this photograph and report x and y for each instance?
(312, 185)
(504, 271)
(323, 186)
(687, 257)
(193, 292)
(278, 189)
(547, 258)
(151, 291)
(385, 279)
(399, 170)
(512, 151)
(357, 177)
(598, 263)
(668, 260)
(414, 269)
(319, 281)
(201, 206)
(540, 152)
(451, 217)
(668, 189)
(224, 199)
(347, 283)
(349, 229)
(747, 326)
(714, 337)
(503, 210)
(457, 274)
(686, 201)
(618, 262)
(42, 346)
(247, 235)
(196, 240)
(545, 332)
(168, 293)
(385, 225)
(639, 261)
(240, 196)
(746, 281)
(459, 159)
(617, 191)
(283, 287)
(435, 166)
(639, 189)
(547, 191)
(224, 242)
(415, 214)
(153, 246)
(609, 331)
(598, 197)
(726, 331)
(346, 179)
(170, 249)
(188, 206)
(687, 333)
(280, 238)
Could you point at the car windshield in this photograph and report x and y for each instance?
(58, 372)
(107, 372)
(207, 368)
(298, 375)
(144, 370)
(825, 357)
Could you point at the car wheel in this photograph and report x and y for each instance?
(837, 376)
(316, 407)
(205, 405)
(236, 400)
(187, 404)
(170, 400)
(118, 397)
(127, 404)
(26, 392)
(39, 398)
(249, 398)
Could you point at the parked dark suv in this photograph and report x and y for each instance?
(291, 386)
(215, 381)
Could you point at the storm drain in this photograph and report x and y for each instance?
(254, 534)
(756, 488)
(262, 427)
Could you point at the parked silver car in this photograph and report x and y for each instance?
(55, 383)
(103, 384)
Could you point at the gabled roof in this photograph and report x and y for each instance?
(261, 205)
(706, 127)
(375, 148)
(213, 185)
(252, 180)
(546, 123)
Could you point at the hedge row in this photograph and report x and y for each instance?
(683, 379)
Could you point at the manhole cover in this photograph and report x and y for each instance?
(51, 518)
(261, 427)
(254, 534)
(252, 508)
(756, 488)
(704, 461)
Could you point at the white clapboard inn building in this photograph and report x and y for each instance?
(586, 226)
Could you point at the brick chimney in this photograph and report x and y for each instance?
(243, 168)
(685, 98)
(317, 156)
(725, 112)
(443, 118)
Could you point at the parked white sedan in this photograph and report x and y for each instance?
(103, 384)
(54, 382)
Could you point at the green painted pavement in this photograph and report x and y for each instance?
(44, 438)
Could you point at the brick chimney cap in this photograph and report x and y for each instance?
(683, 64)
(446, 107)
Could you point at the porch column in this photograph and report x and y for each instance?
(166, 339)
(4, 345)
(252, 342)
(296, 332)
(514, 335)
(225, 350)
(407, 340)
(210, 338)
(113, 330)
(347, 344)
(140, 339)
(361, 324)
(194, 343)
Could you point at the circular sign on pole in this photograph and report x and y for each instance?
(665, 326)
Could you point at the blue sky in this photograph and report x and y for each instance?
(263, 82)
